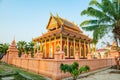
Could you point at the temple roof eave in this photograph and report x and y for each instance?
(64, 32)
(48, 34)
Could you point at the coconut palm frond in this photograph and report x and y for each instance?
(87, 22)
(106, 14)
(93, 12)
(90, 28)
(100, 32)
(94, 2)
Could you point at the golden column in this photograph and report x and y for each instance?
(84, 49)
(61, 42)
(49, 47)
(74, 46)
(80, 47)
(45, 48)
(40, 45)
(54, 44)
(67, 45)
(94, 47)
(88, 47)
(34, 47)
(37, 45)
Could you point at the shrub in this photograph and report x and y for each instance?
(74, 69)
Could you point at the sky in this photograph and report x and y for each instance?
(27, 19)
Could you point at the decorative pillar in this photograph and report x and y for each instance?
(84, 49)
(93, 47)
(68, 46)
(45, 49)
(74, 46)
(49, 47)
(34, 47)
(54, 44)
(88, 47)
(37, 46)
(80, 47)
(60, 55)
(40, 46)
(61, 42)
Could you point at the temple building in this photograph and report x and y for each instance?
(63, 35)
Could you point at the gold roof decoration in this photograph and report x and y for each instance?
(57, 22)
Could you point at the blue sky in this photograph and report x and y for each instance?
(26, 19)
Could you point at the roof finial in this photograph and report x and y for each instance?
(57, 15)
(51, 14)
(61, 22)
(14, 38)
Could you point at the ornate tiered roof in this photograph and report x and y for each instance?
(57, 25)
(58, 22)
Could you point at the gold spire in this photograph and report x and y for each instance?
(59, 19)
(51, 14)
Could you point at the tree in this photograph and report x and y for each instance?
(106, 18)
(3, 49)
(73, 69)
(31, 48)
(25, 47)
(21, 47)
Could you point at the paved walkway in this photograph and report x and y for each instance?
(109, 74)
(102, 74)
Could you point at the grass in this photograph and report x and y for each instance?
(6, 69)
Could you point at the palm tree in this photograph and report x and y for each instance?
(106, 18)
(21, 47)
(3, 49)
(31, 48)
(26, 49)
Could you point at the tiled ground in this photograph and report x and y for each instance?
(104, 75)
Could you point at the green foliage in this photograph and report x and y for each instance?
(21, 47)
(4, 47)
(84, 69)
(106, 18)
(64, 67)
(75, 65)
(75, 73)
(73, 69)
(19, 77)
(25, 47)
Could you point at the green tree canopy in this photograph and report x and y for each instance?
(4, 47)
(25, 47)
(106, 18)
